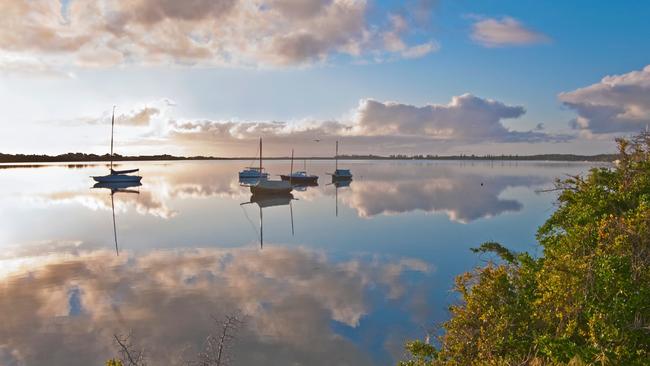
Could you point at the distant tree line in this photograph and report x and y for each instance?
(82, 157)
(73, 157)
(553, 157)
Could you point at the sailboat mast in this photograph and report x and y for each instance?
(291, 211)
(336, 199)
(336, 157)
(261, 229)
(117, 250)
(260, 156)
(112, 128)
(291, 172)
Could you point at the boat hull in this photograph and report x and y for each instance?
(341, 174)
(266, 191)
(341, 177)
(272, 200)
(117, 178)
(300, 180)
(274, 187)
(246, 175)
(341, 183)
(249, 181)
(117, 185)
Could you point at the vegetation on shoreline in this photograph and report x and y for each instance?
(586, 300)
(82, 157)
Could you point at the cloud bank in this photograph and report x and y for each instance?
(200, 32)
(466, 117)
(389, 125)
(618, 103)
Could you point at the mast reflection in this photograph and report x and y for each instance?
(264, 201)
(117, 187)
(339, 183)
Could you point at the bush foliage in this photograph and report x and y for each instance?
(586, 300)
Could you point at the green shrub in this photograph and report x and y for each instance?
(585, 301)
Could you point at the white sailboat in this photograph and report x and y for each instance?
(252, 172)
(117, 176)
(267, 186)
(340, 174)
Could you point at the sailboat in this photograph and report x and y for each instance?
(340, 174)
(300, 178)
(117, 176)
(268, 186)
(252, 172)
(117, 187)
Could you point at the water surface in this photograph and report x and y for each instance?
(340, 276)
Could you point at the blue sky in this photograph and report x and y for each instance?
(527, 53)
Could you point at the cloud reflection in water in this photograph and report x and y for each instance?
(465, 194)
(63, 309)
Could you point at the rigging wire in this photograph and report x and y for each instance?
(250, 221)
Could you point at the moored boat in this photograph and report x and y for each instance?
(267, 186)
(253, 172)
(300, 177)
(339, 174)
(117, 176)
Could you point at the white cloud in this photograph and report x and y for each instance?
(465, 118)
(420, 50)
(618, 103)
(507, 31)
(24, 66)
(197, 32)
(393, 40)
(140, 115)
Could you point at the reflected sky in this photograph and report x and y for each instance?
(346, 274)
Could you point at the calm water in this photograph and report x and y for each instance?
(344, 276)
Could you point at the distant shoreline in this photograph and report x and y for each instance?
(93, 158)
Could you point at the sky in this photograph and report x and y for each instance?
(210, 77)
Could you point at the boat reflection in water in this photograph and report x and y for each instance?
(118, 187)
(247, 182)
(267, 200)
(302, 187)
(339, 183)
